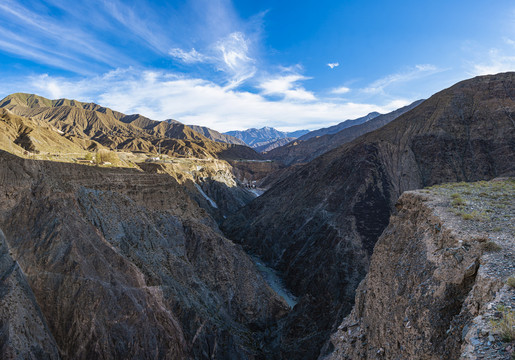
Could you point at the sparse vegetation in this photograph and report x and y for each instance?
(457, 201)
(511, 282)
(475, 215)
(481, 239)
(105, 156)
(505, 326)
(491, 246)
(88, 156)
(486, 206)
(466, 216)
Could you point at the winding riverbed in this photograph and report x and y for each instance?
(274, 281)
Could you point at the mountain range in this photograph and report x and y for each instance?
(91, 126)
(216, 136)
(264, 137)
(307, 147)
(183, 259)
(339, 127)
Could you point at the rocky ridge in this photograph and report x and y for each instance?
(216, 136)
(437, 284)
(307, 147)
(339, 127)
(89, 125)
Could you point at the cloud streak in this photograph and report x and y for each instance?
(58, 44)
(161, 95)
(188, 57)
(340, 90)
(415, 73)
(495, 62)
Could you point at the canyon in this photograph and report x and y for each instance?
(171, 254)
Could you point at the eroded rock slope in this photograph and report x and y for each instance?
(437, 284)
(123, 264)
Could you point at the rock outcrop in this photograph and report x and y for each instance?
(437, 279)
(122, 264)
(319, 225)
(249, 172)
(211, 183)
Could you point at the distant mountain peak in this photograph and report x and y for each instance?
(266, 135)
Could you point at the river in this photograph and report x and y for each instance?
(274, 281)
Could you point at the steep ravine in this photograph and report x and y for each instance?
(437, 279)
(121, 264)
(319, 223)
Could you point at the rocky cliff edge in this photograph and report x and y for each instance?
(440, 284)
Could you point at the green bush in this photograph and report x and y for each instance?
(457, 200)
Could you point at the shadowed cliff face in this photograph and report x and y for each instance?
(319, 224)
(436, 278)
(24, 333)
(124, 265)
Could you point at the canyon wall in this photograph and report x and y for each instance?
(119, 263)
(437, 279)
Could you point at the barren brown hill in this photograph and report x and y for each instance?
(19, 134)
(318, 226)
(115, 130)
(216, 136)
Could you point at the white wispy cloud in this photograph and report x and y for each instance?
(495, 62)
(161, 95)
(340, 90)
(287, 87)
(229, 55)
(62, 43)
(188, 57)
(28, 49)
(233, 51)
(509, 41)
(417, 72)
(333, 65)
(142, 22)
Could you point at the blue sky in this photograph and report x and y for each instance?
(238, 64)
